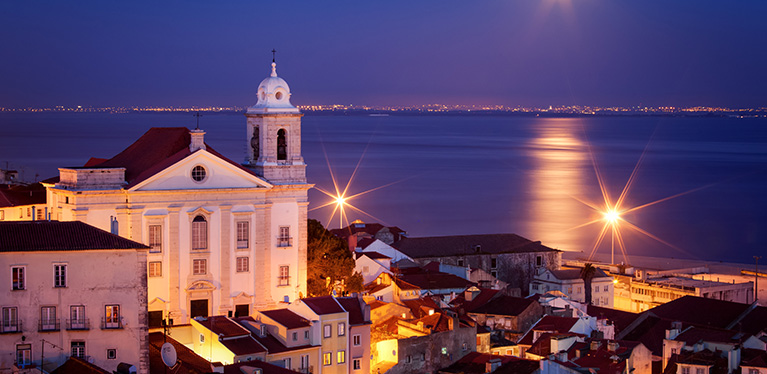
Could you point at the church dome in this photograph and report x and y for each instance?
(273, 95)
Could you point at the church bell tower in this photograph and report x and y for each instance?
(273, 148)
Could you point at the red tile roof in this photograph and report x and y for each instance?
(19, 236)
(369, 228)
(420, 307)
(156, 150)
(648, 330)
(223, 326)
(189, 362)
(352, 305)
(247, 345)
(16, 195)
(505, 306)
(476, 363)
(549, 323)
(287, 318)
(74, 365)
(460, 245)
(250, 366)
(485, 295)
(695, 334)
(323, 305)
(701, 311)
(620, 319)
(373, 255)
(434, 281)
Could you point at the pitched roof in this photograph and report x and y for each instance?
(287, 318)
(505, 306)
(549, 323)
(189, 362)
(223, 326)
(696, 334)
(701, 311)
(156, 150)
(74, 365)
(19, 236)
(620, 319)
(373, 255)
(754, 357)
(649, 330)
(369, 228)
(420, 307)
(249, 367)
(352, 305)
(484, 295)
(461, 245)
(476, 363)
(323, 304)
(754, 322)
(16, 195)
(433, 281)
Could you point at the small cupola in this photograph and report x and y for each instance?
(273, 95)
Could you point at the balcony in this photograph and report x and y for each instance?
(45, 325)
(111, 324)
(284, 241)
(10, 327)
(305, 370)
(79, 324)
(283, 281)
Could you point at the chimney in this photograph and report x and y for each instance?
(612, 346)
(198, 140)
(673, 332)
(492, 365)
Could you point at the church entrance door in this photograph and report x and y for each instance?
(199, 308)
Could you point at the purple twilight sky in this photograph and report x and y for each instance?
(529, 53)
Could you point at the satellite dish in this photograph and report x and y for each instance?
(168, 354)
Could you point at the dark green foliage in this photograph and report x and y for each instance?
(329, 257)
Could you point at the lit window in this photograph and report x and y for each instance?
(284, 278)
(17, 273)
(78, 349)
(341, 357)
(112, 317)
(341, 329)
(356, 340)
(327, 331)
(327, 358)
(199, 233)
(155, 238)
(243, 264)
(284, 239)
(199, 267)
(242, 234)
(198, 173)
(155, 269)
(59, 275)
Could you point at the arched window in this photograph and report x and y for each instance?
(282, 145)
(199, 233)
(254, 143)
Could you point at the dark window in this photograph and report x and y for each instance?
(242, 310)
(155, 318)
(78, 349)
(111, 354)
(198, 173)
(254, 142)
(282, 145)
(493, 263)
(538, 261)
(199, 308)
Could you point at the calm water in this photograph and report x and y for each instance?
(465, 175)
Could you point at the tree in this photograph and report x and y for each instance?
(330, 263)
(587, 274)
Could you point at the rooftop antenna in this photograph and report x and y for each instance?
(198, 115)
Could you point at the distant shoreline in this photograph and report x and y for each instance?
(743, 113)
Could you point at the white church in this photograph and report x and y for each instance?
(226, 238)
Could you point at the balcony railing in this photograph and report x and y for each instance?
(283, 280)
(79, 324)
(284, 241)
(306, 370)
(111, 324)
(9, 327)
(49, 325)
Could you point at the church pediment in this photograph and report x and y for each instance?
(201, 170)
(201, 285)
